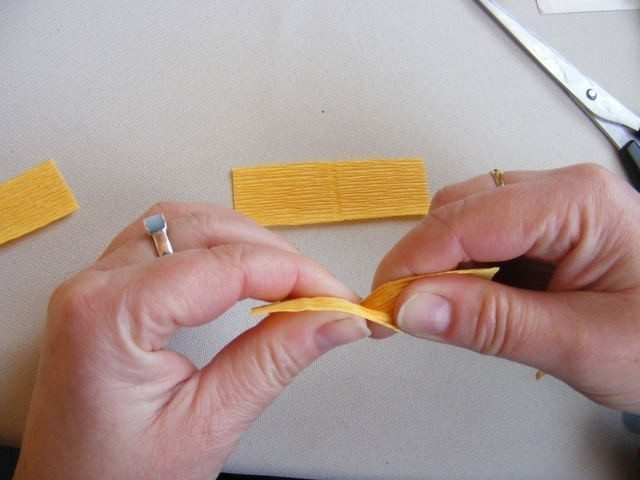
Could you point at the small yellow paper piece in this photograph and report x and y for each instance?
(377, 307)
(321, 192)
(32, 200)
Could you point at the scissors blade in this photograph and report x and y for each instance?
(593, 98)
(617, 134)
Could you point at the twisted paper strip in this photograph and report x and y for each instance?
(377, 307)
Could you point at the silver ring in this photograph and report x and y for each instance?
(156, 227)
(498, 177)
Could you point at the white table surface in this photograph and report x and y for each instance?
(143, 101)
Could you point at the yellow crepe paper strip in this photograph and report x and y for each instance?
(32, 200)
(325, 304)
(377, 307)
(321, 192)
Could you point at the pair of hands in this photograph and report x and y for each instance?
(110, 401)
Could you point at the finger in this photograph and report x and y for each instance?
(378, 332)
(549, 331)
(189, 226)
(193, 287)
(481, 183)
(250, 372)
(543, 221)
(451, 194)
(171, 211)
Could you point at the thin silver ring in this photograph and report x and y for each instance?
(498, 177)
(156, 227)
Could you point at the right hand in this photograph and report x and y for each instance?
(582, 224)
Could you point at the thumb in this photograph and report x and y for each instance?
(540, 329)
(252, 370)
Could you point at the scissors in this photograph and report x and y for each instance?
(620, 125)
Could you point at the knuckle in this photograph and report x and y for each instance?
(451, 211)
(279, 366)
(200, 218)
(586, 171)
(494, 333)
(264, 372)
(203, 225)
(208, 416)
(233, 262)
(77, 300)
(484, 335)
(277, 361)
(595, 177)
(168, 208)
(445, 221)
(233, 256)
(159, 206)
(442, 197)
(593, 185)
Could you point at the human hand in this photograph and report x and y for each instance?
(111, 401)
(573, 232)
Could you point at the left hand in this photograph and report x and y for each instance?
(111, 401)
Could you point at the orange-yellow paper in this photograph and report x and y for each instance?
(32, 200)
(321, 192)
(377, 307)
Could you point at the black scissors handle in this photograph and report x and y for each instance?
(630, 157)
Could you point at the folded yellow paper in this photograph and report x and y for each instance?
(32, 200)
(321, 192)
(377, 307)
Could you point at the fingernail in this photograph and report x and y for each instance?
(425, 315)
(341, 332)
